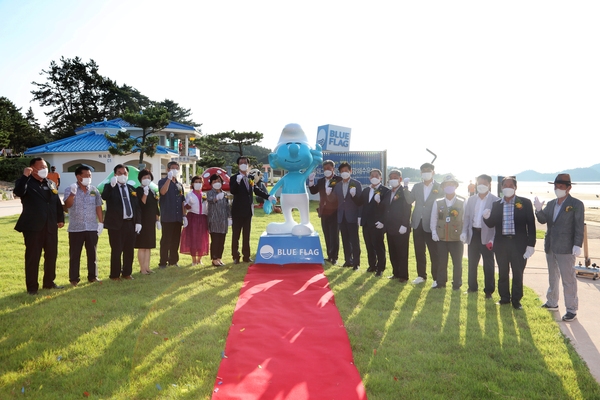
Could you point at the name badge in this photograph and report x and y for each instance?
(447, 219)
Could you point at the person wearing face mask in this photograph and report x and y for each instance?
(84, 203)
(123, 220)
(39, 222)
(172, 215)
(243, 190)
(562, 244)
(424, 194)
(146, 240)
(218, 218)
(327, 210)
(397, 226)
(372, 213)
(194, 238)
(514, 239)
(479, 237)
(446, 227)
(346, 193)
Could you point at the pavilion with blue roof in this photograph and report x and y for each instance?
(89, 146)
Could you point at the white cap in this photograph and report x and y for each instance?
(292, 133)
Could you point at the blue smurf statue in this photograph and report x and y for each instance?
(294, 154)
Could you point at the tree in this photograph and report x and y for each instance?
(178, 113)
(227, 146)
(152, 119)
(18, 132)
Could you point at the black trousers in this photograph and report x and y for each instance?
(331, 231)
(456, 250)
(349, 231)
(375, 245)
(509, 255)
(35, 242)
(76, 242)
(398, 248)
(476, 251)
(241, 225)
(217, 244)
(121, 245)
(169, 243)
(422, 239)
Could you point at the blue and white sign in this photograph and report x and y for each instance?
(289, 249)
(334, 138)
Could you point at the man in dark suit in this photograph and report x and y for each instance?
(327, 209)
(424, 194)
(514, 240)
(347, 194)
(123, 220)
(564, 238)
(397, 226)
(39, 221)
(243, 190)
(371, 220)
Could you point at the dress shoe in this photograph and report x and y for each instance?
(393, 277)
(333, 261)
(248, 260)
(378, 274)
(54, 286)
(115, 279)
(503, 302)
(128, 277)
(488, 296)
(236, 260)
(94, 280)
(402, 280)
(371, 269)
(74, 283)
(32, 292)
(347, 264)
(517, 306)
(162, 266)
(440, 286)
(355, 268)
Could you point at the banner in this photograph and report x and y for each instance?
(362, 162)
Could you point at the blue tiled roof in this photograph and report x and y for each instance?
(86, 142)
(118, 123)
(177, 125)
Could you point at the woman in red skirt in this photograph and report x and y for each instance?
(194, 237)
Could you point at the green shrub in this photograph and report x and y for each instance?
(12, 168)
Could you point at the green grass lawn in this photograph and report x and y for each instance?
(161, 336)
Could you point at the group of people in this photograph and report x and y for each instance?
(497, 230)
(440, 220)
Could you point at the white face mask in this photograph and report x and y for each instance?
(175, 173)
(243, 167)
(508, 192)
(43, 173)
(375, 181)
(327, 173)
(197, 186)
(216, 185)
(426, 176)
(122, 179)
(345, 175)
(449, 189)
(394, 183)
(146, 182)
(482, 189)
(560, 193)
(86, 181)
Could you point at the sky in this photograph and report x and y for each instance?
(490, 87)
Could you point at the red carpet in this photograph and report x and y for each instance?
(287, 339)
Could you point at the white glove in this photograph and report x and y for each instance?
(311, 179)
(73, 188)
(377, 198)
(406, 182)
(272, 199)
(486, 213)
(146, 190)
(463, 237)
(170, 175)
(435, 237)
(185, 222)
(358, 220)
(402, 230)
(138, 228)
(158, 225)
(576, 251)
(538, 204)
(229, 222)
(529, 252)
(113, 181)
(329, 190)
(220, 196)
(239, 178)
(352, 191)
(378, 225)
(100, 228)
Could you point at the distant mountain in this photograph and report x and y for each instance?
(589, 174)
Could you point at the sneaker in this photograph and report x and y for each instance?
(549, 307)
(418, 280)
(569, 316)
(434, 285)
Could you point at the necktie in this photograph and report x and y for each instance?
(126, 201)
(246, 182)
